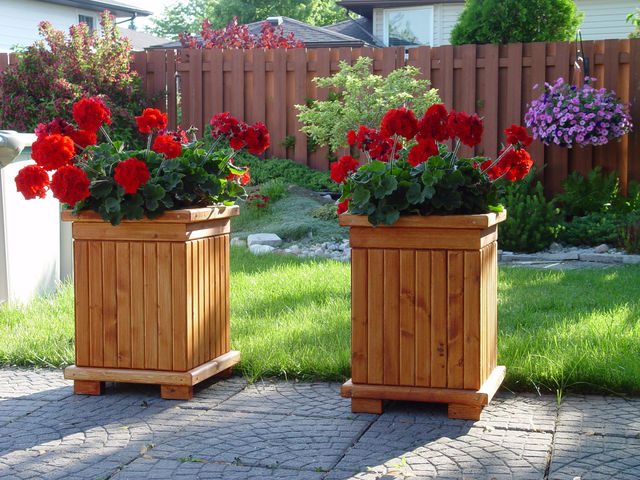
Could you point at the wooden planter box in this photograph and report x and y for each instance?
(152, 300)
(423, 312)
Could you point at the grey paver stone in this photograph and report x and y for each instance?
(270, 239)
(594, 457)
(605, 415)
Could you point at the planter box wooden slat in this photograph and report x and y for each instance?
(424, 317)
(151, 296)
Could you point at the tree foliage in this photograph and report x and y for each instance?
(54, 73)
(364, 98)
(235, 35)
(507, 21)
(187, 15)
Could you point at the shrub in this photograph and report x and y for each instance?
(287, 171)
(532, 222)
(595, 193)
(629, 236)
(326, 212)
(506, 21)
(363, 100)
(593, 228)
(275, 189)
(634, 19)
(54, 73)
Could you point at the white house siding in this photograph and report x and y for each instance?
(378, 23)
(449, 17)
(19, 20)
(604, 20)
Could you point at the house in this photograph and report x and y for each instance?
(140, 40)
(311, 35)
(19, 19)
(423, 22)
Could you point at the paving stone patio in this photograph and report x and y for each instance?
(232, 430)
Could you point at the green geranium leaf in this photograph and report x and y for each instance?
(416, 194)
(388, 185)
(101, 189)
(361, 195)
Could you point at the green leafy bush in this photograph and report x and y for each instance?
(363, 100)
(54, 73)
(593, 228)
(532, 222)
(287, 171)
(325, 212)
(629, 236)
(507, 21)
(275, 189)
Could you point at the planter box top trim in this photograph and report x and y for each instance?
(187, 215)
(479, 221)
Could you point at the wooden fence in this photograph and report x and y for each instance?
(494, 81)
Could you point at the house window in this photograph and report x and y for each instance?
(86, 19)
(408, 26)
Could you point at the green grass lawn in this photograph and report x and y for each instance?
(558, 330)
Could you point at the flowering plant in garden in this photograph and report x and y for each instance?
(565, 114)
(172, 172)
(410, 172)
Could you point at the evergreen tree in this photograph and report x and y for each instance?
(507, 21)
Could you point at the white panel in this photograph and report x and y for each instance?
(604, 20)
(378, 23)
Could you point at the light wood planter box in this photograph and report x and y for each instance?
(423, 312)
(152, 300)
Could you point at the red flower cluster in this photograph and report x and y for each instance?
(168, 145)
(70, 184)
(91, 113)
(513, 164)
(341, 169)
(32, 181)
(399, 121)
(53, 151)
(82, 138)
(131, 174)
(151, 118)
(343, 206)
(254, 199)
(254, 137)
(422, 151)
(434, 124)
(517, 136)
(371, 141)
(244, 178)
(467, 128)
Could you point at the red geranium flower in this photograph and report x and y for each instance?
(53, 151)
(494, 172)
(342, 168)
(226, 125)
(236, 142)
(131, 174)
(343, 206)
(467, 128)
(70, 184)
(83, 138)
(151, 118)
(399, 121)
(91, 113)
(516, 164)
(351, 137)
(517, 136)
(370, 140)
(57, 125)
(434, 124)
(256, 137)
(168, 145)
(245, 177)
(32, 181)
(422, 152)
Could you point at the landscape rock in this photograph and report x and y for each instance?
(240, 242)
(555, 247)
(270, 239)
(258, 249)
(604, 248)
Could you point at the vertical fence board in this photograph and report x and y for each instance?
(467, 85)
(300, 93)
(391, 293)
(538, 77)
(158, 78)
(634, 98)
(446, 72)
(490, 93)
(237, 84)
(172, 89)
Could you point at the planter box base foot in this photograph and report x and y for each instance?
(173, 385)
(463, 404)
(88, 387)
